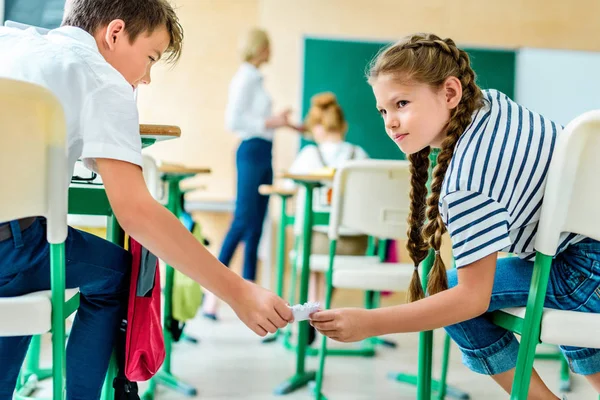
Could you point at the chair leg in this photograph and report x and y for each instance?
(57, 266)
(445, 359)
(292, 296)
(319, 384)
(531, 329)
(373, 300)
(565, 376)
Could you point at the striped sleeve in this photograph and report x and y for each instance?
(477, 224)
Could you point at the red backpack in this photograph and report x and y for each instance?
(145, 345)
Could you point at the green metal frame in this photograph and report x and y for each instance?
(165, 377)
(285, 221)
(424, 381)
(371, 298)
(90, 200)
(301, 377)
(61, 309)
(529, 328)
(515, 325)
(329, 278)
(82, 200)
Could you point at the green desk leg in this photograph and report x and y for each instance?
(114, 234)
(565, 379)
(164, 376)
(424, 382)
(302, 377)
(425, 344)
(31, 374)
(281, 245)
(287, 332)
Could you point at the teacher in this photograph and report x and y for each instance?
(249, 115)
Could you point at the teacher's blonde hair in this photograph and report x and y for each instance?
(255, 41)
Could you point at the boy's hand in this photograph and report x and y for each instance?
(261, 310)
(343, 325)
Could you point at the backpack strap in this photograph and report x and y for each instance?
(321, 158)
(353, 153)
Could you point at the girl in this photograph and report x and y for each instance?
(486, 191)
(326, 123)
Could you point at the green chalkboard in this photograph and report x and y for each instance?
(42, 13)
(339, 66)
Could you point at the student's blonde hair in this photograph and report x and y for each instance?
(326, 111)
(140, 16)
(430, 60)
(255, 41)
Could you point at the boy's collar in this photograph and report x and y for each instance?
(78, 34)
(73, 32)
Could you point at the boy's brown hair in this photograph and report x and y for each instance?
(140, 16)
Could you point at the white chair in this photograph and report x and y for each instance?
(34, 183)
(570, 205)
(370, 196)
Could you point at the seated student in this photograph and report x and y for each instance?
(326, 123)
(93, 63)
(428, 97)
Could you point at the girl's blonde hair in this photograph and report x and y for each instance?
(428, 59)
(255, 41)
(326, 111)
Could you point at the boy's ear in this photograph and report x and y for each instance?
(115, 31)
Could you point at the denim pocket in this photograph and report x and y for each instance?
(573, 279)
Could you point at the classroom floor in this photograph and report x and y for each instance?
(230, 362)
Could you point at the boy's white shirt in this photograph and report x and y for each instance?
(335, 154)
(99, 105)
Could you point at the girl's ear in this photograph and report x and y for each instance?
(452, 89)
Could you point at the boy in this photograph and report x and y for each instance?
(92, 63)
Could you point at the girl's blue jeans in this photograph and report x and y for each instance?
(574, 284)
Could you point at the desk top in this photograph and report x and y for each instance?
(316, 177)
(159, 132)
(267, 190)
(168, 168)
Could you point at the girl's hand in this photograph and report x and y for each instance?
(343, 324)
(300, 128)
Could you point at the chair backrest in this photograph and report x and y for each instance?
(573, 185)
(33, 156)
(371, 196)
(151, 176)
